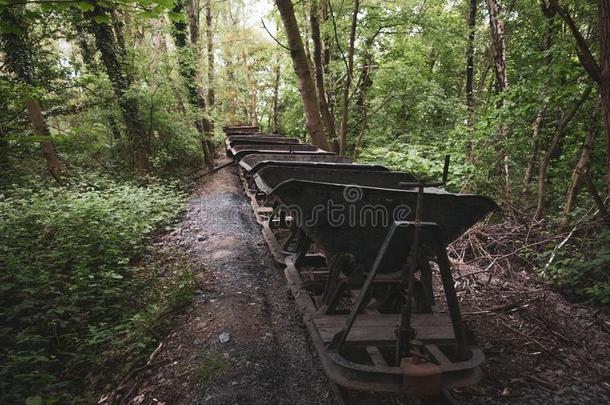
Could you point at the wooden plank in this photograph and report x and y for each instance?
(438, 355)
(382, 320)
(379, 329)
(376, 356)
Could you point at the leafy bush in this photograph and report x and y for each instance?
(584, 269)
(407, 159)
(425, 163)
(68, 280)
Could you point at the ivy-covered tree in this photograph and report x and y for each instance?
(20, 62)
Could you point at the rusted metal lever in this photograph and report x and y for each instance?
(404, 332)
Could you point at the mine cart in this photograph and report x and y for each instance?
(368, 296)
(254, 162)
(240, 129)
(239, 151)
(260, 140)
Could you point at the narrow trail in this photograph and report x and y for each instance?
(267, 360)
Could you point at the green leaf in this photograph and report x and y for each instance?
(46, 6)
(9, 29)
(149, 14)
(37, 400)
(85, 6)
(176, 17)
(168, 4)
(102, 19)
(32, 14)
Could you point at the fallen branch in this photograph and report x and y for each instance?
(564, 241)
(154, 354)
(214, 170)
(542, 382)
(532, 339)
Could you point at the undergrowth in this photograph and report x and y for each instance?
(580, 268)
(73, 291)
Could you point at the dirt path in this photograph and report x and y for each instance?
(267, 359)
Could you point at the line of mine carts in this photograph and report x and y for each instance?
(364, 253)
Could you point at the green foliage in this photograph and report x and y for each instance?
(69, 284)
(411, 160)
(292, 119)
(425, 162)
(583, 267)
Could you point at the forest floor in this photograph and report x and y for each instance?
(540, 348)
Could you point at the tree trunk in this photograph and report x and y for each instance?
(193, 19)
(158, 37)
(275, 123)
(188, 71)
(232, 103)
(496, 26)
(472, 23)
(487, 63)
(4, 146)
(87, 51)
(533, 155)
(114, 63)
(87, 48)
(364, 113)
(209, 33)
(4, 150)
(118, 27)
(599, 202)
(18, 60)
(566, 117)
(365, 82)
(537, 126)
(326, 58)
(114, 128)
(303, 17)
(313, 121)
(600, 73)
(54, 164)
(580, 169)
(348, 80)
(253, 103)
(327, 117)
(250, 104)
(604, 85)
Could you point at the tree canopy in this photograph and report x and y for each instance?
(108, 110)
